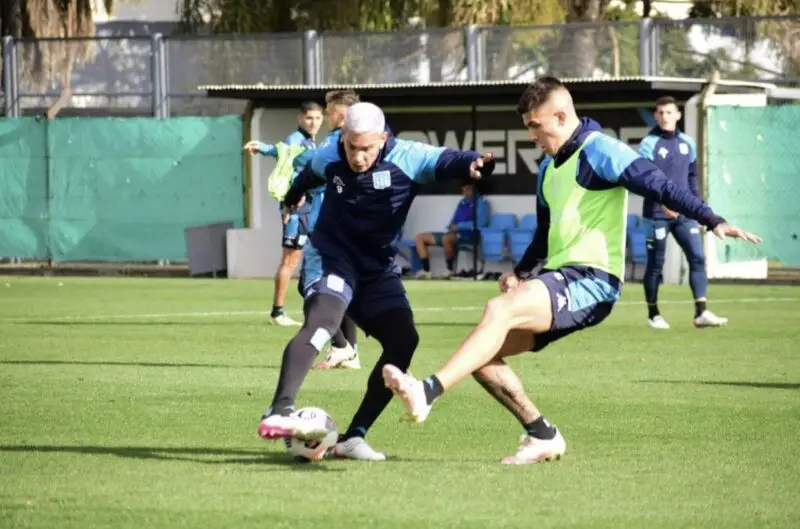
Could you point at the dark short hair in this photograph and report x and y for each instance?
(308, 106)
(341, 97)
(537, 93)
(666, 100)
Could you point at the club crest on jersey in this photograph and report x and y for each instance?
(339, 184)
(663, 152)
(683, 148)
(382, 180)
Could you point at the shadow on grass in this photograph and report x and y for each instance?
(739, 383)
(135, 323)
(206, 456)
(130, 364)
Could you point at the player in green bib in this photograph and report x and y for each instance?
(581, 207)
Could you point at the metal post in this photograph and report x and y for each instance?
(157, 75)
(471, 44)
(645, 49)
(8, 76)
(310, 62)
(164, 70)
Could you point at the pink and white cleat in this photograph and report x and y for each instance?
(410, 390)
(285, 426)
(533, 450)
(276, 427)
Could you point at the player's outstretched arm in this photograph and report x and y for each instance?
(425, 163)
(615, 162)
(265, 149)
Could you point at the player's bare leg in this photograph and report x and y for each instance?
(422, 241)
(541, 441)
(450, 242)
(289, 260)
(526, 307)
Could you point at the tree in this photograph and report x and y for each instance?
(49, 64)
(578, 50)
(782, 34)
(386, 57)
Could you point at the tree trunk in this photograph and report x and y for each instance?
(577, 54)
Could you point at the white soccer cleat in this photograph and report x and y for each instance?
(284, 321)
(709, 319)
(657, 323)
(532, 450)
(423, 274)
(410, 390)
(282, 426)
(357, 448)
(340, 357)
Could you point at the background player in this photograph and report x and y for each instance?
(675, 154)
(295, 228)
(459, 228)
(371, 179)
(581, 208)
(343, 352)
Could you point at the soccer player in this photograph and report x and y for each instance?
(295, 228)
(371, 179)
(459, 227)
(675, 154)
(343, 353)
(581, 208)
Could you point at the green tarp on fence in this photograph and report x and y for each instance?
(108, 189)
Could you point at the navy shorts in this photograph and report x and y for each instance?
(580, 296)
(295, 232)
(367, 293)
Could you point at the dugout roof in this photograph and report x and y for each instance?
(623, 89)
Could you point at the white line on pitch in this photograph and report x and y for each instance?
(216, 314)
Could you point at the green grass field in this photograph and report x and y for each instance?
(134, 403)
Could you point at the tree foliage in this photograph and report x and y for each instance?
(46, 64)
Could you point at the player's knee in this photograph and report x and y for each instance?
(497, 309)
(323, 317)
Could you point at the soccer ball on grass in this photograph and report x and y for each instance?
(313, 450)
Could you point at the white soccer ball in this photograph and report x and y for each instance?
(313, 450)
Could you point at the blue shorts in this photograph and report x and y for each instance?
(295, 231)
(580, 296)
(367, 293)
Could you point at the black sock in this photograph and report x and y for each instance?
(338, 340)
(349, 331)
(297, 359)
(433, 388)
(321, 312)
(426, 264)
(540, 429)
(652, 310)
(394, 330)
(277, 310)
(699, 308)
(450, 263)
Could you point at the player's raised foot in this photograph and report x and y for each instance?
(709, 319)
(357, 448)
(410, 390)
(284, 320)
(532, 450)
(278, 426)
(657, 322)
(341, 358)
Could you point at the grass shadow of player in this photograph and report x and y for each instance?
(445, 323)
(201, 455)
(135, 323)
(735, 383)
(132, 364)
